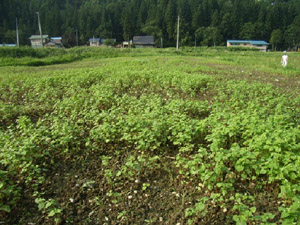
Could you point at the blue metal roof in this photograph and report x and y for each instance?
(94, 39)
(8, 45)
(252, 42)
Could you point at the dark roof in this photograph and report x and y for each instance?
(252, 42)
(143, 40)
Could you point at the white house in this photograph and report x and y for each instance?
(36, 41)
(94, 42)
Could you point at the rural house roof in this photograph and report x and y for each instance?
(33, 37)
(54, 44)
(56, 38)
(94, 40)
(252, 42)
(143, 40)
(8, 45)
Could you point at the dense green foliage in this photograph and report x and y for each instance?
(209, 21)
(150, 139)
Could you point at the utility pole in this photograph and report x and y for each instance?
(195, 42)
(177, 43)
(40, 28)
(77, 36)
(161, 42)
(17, 32)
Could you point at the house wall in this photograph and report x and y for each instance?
(262, 48)
(239, 44)
(94, 44)
(125, 44)
(143, 46)
(37, 43)
(56, 40)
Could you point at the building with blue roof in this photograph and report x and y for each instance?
(94, 41)
(56, 39)
(259, 44)
(8, 45)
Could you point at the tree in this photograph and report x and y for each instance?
(276, 39)
(171, 18)
(292, 34)
(261, 32)
(185, 14)
(226, 26)
(109, 42)
(104, 30)
(128, 24)
(142, 16)
(248, 31)
(209, 36)
(69, 38)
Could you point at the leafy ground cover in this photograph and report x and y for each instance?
(200, 137)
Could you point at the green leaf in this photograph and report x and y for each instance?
(5, 208)
(239, 168)
(253, 209)
(51, 213)
(48, 204)
(118, 173)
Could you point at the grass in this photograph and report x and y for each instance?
(137, 136)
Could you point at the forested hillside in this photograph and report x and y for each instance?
(209, 21)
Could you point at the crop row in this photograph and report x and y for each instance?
(228, 150)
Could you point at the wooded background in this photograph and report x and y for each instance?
(208, 21)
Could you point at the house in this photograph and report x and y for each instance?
(261, 45)
(143, 41)
(94, 42)
(56, 39)
(36, 41)
(55, 42)
(126, 44)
